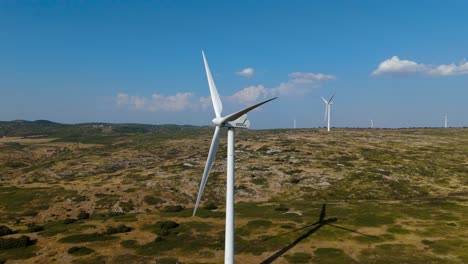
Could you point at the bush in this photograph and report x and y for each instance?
(33, 227)
(211, 206)
(168, 261)
(173, 208)
(79, 238)
(80, 251)
(5, 230)
(151, 200)
(281, 208)
(83, 215)
(298, 257)
(22, 241)
(119, 229)
(164, 228)
(127, 206)
(69, 221)
(129, 243)
(103, 216)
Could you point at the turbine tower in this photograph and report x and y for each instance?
(445, 124)
(294, 123)
(371, 123)
(328, 104)
(238, 119)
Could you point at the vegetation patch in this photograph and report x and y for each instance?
(299, 257)
(20, 242)
(33, 228)
(80, 251)
(151, 200)
(92, 237)
(398, 253)
(118, 229)
(5, 230)
(58, 227)
(129, 243)
(331, 255)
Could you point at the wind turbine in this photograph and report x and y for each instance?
(445, 125)
(371, 123)
(328, 104)
(238, 119)
(294, 122)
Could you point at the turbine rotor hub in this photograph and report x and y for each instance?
(217, 121)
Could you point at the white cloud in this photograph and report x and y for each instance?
(157, 102)
(135, 102)
(298, 83)
(394, 67)
(247, 73)
(250, 94)
(309, 77)
(205, 102)
(450, 69)
(173, 103)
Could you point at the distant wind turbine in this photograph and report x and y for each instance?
(238, 119)
(371, 123)
(328, 104)
(445, 125)
(294, 122)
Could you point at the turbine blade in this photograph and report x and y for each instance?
(209, 164)
(324, 100)
(217, 104)
(234, 116)
(331, 98)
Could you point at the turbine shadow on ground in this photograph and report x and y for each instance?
(319, 224)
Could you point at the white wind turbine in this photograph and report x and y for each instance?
(238, 119)
(445, 124)
(328, 104)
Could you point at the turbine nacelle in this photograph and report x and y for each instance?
(241, 122)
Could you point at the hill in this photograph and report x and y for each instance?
(391, 196)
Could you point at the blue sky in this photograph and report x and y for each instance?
(400, 63)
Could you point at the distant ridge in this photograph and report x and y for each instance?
(25, 128)
(45, 122)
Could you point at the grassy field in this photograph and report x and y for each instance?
(102, 193)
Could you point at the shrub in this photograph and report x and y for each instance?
(129, 243)
(22, 241)
(168, 261)
(298, 257)
(79, 238)
(103, 216)
(151, 200)
(83, 215)
(127, 206)
(33, 227)
(119, 229)
(5, 230)
(164, 228)
(211, 206)
(69, 221)
(31, 213)
(80, 251)
(281, 208)
(173, 208)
